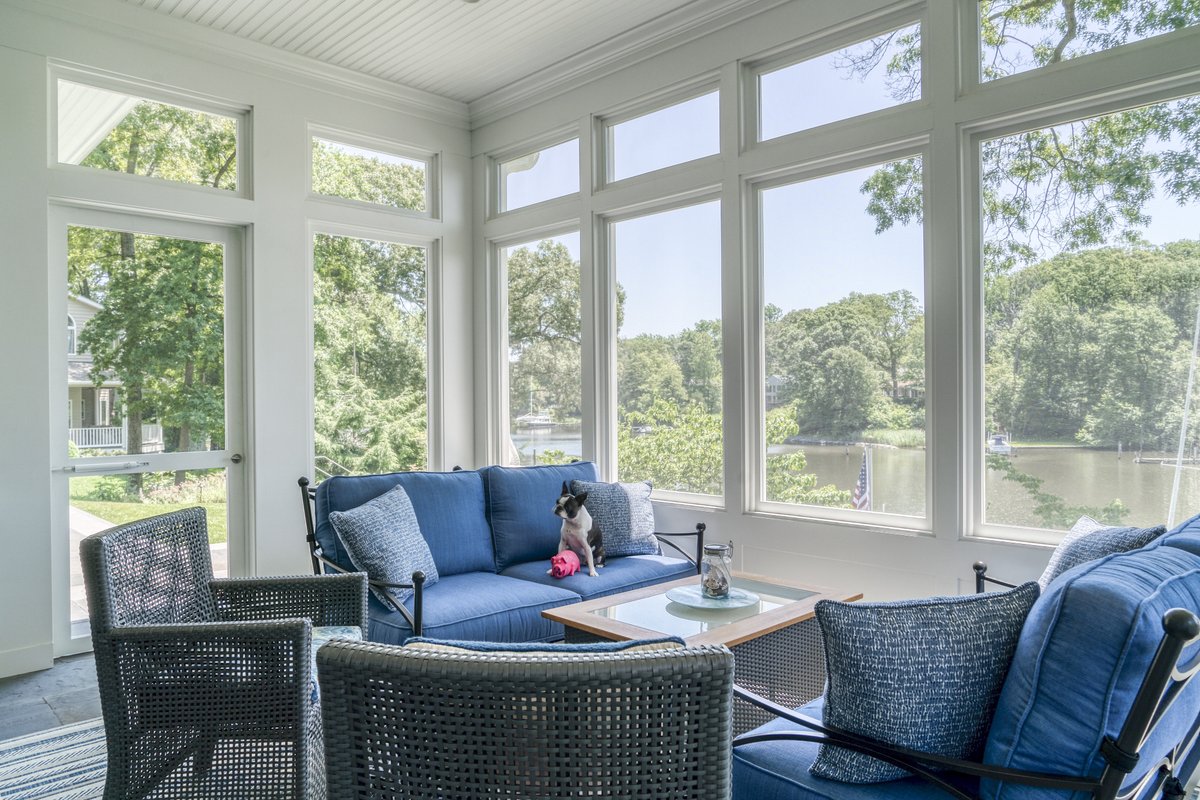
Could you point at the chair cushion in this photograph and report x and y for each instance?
(382, 539)
(780, 771)
(624, 514)
(1082, 656)
(924, 674)
(520, 508)
(476, 606)
(1088, 540)
(449, 509)
(619, 575)
(323, 634)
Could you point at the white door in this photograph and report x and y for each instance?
(159, 313)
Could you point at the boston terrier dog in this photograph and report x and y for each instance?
(579, 531)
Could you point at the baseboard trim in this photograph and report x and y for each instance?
(26, 659)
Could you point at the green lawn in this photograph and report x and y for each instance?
(118, 513)
(88, 494)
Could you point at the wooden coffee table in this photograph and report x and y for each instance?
(776, 643)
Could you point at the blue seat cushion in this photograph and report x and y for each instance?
(620, 575)
(1082, 655)
(476, 606)
(780, 771)
(520, 509)
(448, 506)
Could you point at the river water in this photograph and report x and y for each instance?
(1081, 476)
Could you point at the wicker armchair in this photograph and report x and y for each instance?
(409, 722)
(206, 685)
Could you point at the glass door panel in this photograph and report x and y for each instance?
(152, 395)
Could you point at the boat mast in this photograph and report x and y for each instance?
(1183, 425)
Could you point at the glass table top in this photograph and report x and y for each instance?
(657, 613)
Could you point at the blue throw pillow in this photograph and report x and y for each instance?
(922, 674)
(383, 539)
(625, 516)
(1089, 540)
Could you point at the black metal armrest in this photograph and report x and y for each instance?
(982, 578)
(920, 764)
(697, 560)
(413, 617)
(322, 599)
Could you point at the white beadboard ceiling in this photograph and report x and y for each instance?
(459, 50)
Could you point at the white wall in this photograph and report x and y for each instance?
(277, 219)
(880, 558)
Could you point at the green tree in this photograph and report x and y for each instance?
(338, 173)
(788, 480)
(647, 374)
(676, 446)
(837, 401)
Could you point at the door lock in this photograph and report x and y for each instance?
(236, 458)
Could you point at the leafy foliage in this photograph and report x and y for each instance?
(338, 173)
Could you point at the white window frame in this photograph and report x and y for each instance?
(606, 337)
(432, 162)
(496, 189)
(856, 31)
(192, 101)
(72, 336)
(435, 448)
(755, 370)
(602, 133)
(972, 137)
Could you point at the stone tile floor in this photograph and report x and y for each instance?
(36, 701)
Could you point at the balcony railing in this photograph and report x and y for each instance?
(113, 438)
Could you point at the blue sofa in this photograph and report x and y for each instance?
(491, 532)
(1085, 649)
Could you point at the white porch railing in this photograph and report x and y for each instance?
(113, 437)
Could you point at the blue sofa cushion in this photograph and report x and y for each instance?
(520, 509)
(923, 674)
(449, 509)
(1082, 656)
(382, 538)
(1088, 540)
(780, 771)
(540, 648)
(476, 606)
(620, 575)
(624, 514)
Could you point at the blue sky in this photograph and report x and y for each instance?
(819, 244)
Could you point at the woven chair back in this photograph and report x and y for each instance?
(153, 571)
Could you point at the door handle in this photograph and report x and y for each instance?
(236, 458)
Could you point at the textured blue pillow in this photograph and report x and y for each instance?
(1089, 540)
(383, 539)
(923, 674)
(625, 516)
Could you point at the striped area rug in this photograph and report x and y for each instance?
(64, 763)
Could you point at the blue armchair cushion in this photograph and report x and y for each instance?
(449, 509)
(520, 509)
(1081, 658)
(476, 606)
(382, 538)
(624, 514)
(779, 770)
(923, 674)
(1089, 540)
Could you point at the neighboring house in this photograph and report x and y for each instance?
(774, 384)
(94, 418)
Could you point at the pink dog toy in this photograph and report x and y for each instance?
(564, 564)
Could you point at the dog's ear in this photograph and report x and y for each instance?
(581, 498)
(566, 489)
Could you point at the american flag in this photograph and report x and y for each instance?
(861, 499)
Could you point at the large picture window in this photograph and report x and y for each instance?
(844, 342)
(1091, 281)
(369, 356)
(669, 352)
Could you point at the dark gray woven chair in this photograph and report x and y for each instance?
(403, 722)
(206, 685)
